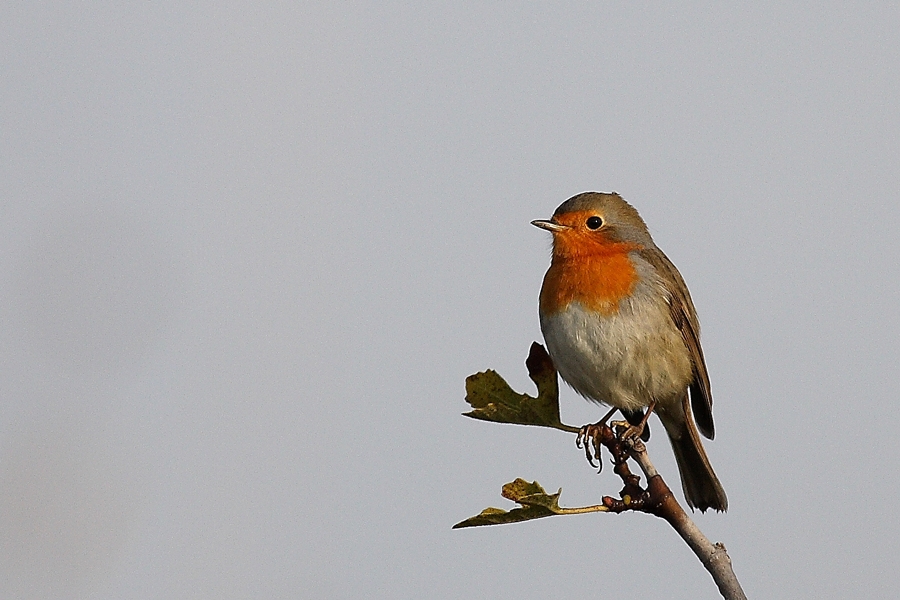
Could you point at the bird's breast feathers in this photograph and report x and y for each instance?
(624, 357)
(597, 283)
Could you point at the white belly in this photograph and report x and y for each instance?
(625, 360)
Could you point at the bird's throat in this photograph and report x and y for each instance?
(598, 282)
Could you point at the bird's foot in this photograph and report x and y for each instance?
(627, 433)
(630, 432)
(591, 437)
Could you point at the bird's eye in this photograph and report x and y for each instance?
(594, 222)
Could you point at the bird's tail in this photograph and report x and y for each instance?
(702, 489)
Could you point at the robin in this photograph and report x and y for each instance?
(622, 330)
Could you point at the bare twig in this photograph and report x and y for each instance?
(659, 500)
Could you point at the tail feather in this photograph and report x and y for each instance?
(702, 488)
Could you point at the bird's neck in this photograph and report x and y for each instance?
(598, 280)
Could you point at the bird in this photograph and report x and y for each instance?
(622, 330)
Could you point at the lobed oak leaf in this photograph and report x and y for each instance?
(536, 503)
(492, 399)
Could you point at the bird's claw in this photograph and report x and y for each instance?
(589, 438)
(628, 433)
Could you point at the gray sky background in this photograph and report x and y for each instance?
(249, 254)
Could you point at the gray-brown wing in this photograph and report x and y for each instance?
(684, 316)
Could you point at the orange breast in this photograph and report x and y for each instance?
(598, 281)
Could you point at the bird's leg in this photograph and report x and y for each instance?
(634, 432)
(589, 437)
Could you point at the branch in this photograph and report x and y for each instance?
(664, 505)
(493, 400)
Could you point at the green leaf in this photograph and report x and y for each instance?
(493, 400)
(536, 503)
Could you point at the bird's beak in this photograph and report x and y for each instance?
(549, 226)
